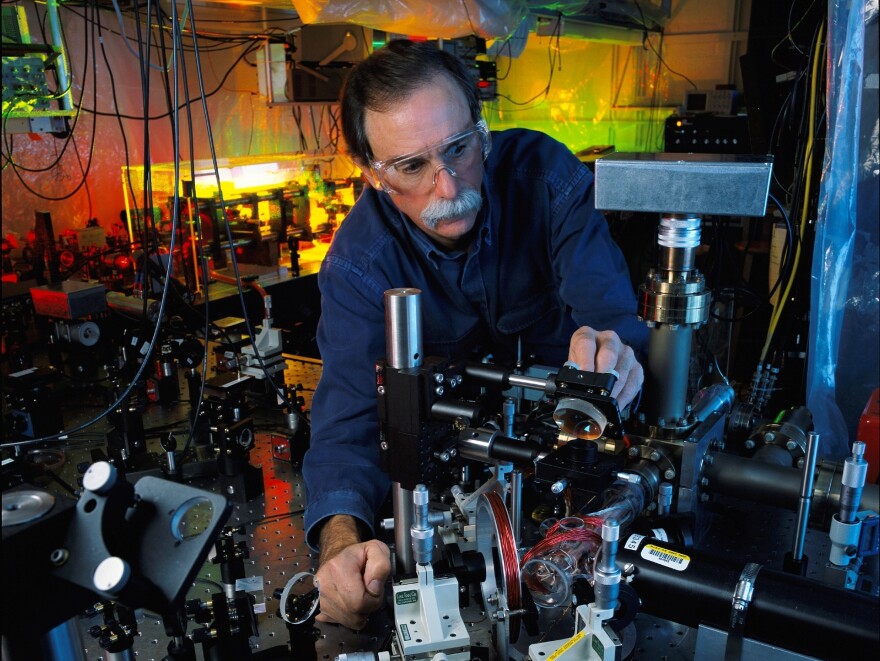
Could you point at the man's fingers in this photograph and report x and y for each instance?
(634, 381)
(605, 352)
(377, 560)
(352, 583)
(626, 362)
(609, 352)
(582, 349)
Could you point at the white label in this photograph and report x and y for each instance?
(632, 544)
(665, 557)
(29, 370)
(660, 533)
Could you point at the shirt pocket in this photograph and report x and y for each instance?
(520, 313)
(455, 339)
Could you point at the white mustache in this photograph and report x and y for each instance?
(467, 201)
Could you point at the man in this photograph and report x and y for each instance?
(500, 234)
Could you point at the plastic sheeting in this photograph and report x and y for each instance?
(485, 18)
(845, 303)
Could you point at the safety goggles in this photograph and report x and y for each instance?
(416, 173)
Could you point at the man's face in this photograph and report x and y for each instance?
(446, 206)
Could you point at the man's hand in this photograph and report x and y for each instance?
(352, 574)
(602, 351)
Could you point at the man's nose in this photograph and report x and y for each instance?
(445, 184)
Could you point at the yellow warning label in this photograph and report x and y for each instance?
(567, 645)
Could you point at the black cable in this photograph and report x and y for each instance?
(787, 261)
(653, 105)
(272, 518)
(224, 39)
(663, 62)
(252, 336)
(15, 166)
(195, 218)
(509, 58)
(552, 56)
(123, 396)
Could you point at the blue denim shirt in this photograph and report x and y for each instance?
(542, 264)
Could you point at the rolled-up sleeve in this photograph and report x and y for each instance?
(341, 468)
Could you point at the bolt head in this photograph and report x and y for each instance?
(769, 437)
(669, 474)
(633, 451)
(791, 445)
(750, 444)
(381, 390)
(655, 456)
(58, 557)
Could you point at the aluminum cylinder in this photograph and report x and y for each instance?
(403, 328)
(607, 575)
(678, 238)
(717, 397)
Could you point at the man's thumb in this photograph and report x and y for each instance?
(374, 588)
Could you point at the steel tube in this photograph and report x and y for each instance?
(61, 61)
(403, 346)
(516, 505)
(805, 497)
(668, 357)
(532, 382)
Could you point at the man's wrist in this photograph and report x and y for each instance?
(338, 533)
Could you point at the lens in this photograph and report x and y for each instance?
(579, 419)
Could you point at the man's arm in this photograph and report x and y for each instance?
(352, 574)
(337, 533)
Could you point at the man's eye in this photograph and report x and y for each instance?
(414, 166)
(458, 149)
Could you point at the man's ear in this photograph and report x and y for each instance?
(368, 174)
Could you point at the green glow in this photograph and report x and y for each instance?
(625, 135)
